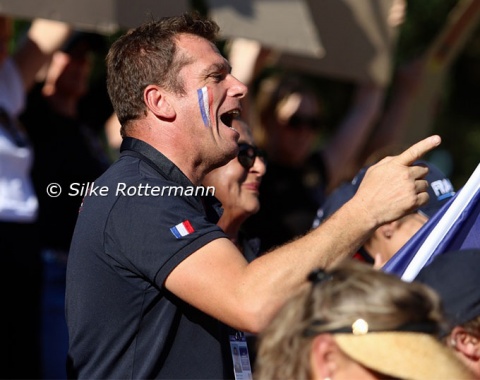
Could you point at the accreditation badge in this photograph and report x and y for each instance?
(241, 361)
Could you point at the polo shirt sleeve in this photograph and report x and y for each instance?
(150, 236)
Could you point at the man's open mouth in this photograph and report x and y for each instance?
(228, 117)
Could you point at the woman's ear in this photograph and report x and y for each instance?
(323, 357)
(157, 102)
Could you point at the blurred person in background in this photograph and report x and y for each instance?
(302, 173)
(21, 282)
(290, 120)
(68, 152)
(354, 322)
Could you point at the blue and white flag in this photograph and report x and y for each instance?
(455, 226)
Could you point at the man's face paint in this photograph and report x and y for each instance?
(205, 100)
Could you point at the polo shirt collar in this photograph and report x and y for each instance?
(154, 158)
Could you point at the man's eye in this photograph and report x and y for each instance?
(217, 77)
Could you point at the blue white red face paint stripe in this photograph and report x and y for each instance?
(182, 229)
(205, 100)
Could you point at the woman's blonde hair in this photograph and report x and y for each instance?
(335, 300)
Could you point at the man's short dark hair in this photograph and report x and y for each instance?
(147, 55)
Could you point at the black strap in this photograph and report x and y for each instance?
(143, 151)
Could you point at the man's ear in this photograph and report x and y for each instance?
(464, 342)
(323, 357)
(157, 102)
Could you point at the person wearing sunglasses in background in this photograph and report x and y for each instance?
(289, 118)
(306, 160)
(237, 187)
(354, 322)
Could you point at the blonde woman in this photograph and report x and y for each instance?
(357, 323)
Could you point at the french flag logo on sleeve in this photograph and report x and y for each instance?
(182, 229)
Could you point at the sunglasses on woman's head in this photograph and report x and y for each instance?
(248, 153)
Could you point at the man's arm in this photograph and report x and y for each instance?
(217, 280)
